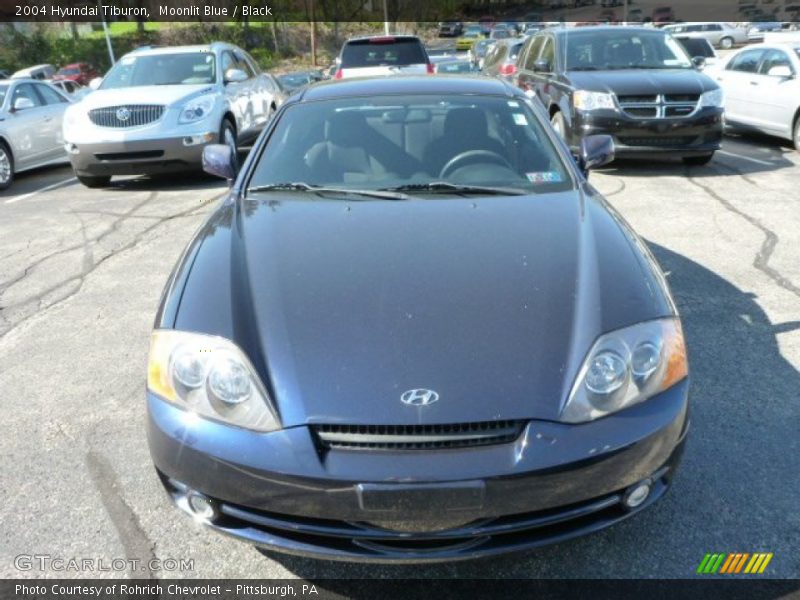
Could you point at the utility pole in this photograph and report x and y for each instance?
(105, 30)
(313, 36)
(385, 17)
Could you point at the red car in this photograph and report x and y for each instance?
(81, 73)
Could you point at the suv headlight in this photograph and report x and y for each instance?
(209, 376)
(626, 367)
(197, 109)
(712, 98)
(583, 100)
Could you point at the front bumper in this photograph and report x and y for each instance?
(283, 491)
(140, 157)
(697, 135)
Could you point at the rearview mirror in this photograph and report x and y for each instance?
(596, 151)
(699, 62)
(23, 103)
(783, 71)
(219, 160)
(542, 65)
(95, 83)
(235, 76)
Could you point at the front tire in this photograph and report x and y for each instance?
(726, 43)
(559, 124)
(227, 136)
(6, 167)
(99, 181)
(697, 161)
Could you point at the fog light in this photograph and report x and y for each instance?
(194, 140)
(202, 507)
(636, 494)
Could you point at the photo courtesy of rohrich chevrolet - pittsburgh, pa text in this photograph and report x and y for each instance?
(415, 299)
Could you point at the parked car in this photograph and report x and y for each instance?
(699, 48)
(429, 434)
(30, 127)
(471, 36)
(450, 28)
(501, 60)
(721, 35)
(757, 30)
(478, 51)
(762, 89)
(36, 72)
(500, 33)
(383, 55)
(72, 89)
(80, 73)
(291, 82)
(635, 84)
(157, 108)
(451, 65)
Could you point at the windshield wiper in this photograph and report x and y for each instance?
(307, 187)
(445, 187)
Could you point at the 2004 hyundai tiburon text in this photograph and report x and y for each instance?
(414, 331)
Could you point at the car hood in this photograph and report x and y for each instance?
(642, 81)
(149, 94)
(493, 303)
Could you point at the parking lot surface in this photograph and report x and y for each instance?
(81, 272)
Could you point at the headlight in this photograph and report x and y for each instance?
(209, 376)
(626, 367)
(584, 100)
(196, 109)
(712, 98)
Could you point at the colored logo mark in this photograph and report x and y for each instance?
(733, 563)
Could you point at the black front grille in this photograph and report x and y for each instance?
(418, 437)
(689, 98)
(129, 155)
(629, 99)
(126, 115)
(657, 141)
(658, 106)
(642, 111)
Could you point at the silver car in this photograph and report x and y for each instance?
(157, 108)
(721, 35)
(30, 127)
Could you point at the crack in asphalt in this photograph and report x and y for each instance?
(88, 263)
(761, 260)
(621, 188)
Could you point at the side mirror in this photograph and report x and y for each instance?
(23, 103)
(596, 151)
(699, 62)
(235, 76)
(219, 160)
(782, 71)
(542, 65)
(95, 83)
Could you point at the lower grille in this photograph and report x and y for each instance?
(657, 141)
(129, 155)
(418, 437)
(128, 115)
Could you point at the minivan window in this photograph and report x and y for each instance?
(180, 68)
(383, 52)
(605, 50)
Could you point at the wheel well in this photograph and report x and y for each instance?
(7, 145)
(229, 117)
(553, 110)
(795, 119)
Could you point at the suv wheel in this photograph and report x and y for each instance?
(6, 167)
(796, 138)
(227, 136)
(94, 182)
(559, 124)
(726, 43)
(697, 161)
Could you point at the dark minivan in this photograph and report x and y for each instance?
(637, 85)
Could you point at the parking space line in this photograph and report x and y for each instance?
(44, 189)
(755, 160)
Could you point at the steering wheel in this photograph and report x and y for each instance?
(472, 156)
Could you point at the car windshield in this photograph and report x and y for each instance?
(604, 50)
(377, 52)
(294, 80)
(411, 142)
(180, 68)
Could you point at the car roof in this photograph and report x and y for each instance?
(150, 50)
(567, 31)
(397, 36)
(408, 84)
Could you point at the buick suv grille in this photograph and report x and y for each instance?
(127, 115)
(418, 437)
(658, 106)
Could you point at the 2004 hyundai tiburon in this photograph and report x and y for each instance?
(413, 331)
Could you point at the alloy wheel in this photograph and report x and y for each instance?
(5, 166)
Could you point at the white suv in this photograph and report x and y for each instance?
(383, 55)
(157, 108)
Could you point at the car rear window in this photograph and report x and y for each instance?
(383, 52)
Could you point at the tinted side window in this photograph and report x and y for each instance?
(746, 62)
(774, 58)
(50, 96)
(549, 52)
(712, 27)
(533, 52)
(227, 61)
(241, 63)
(25, 90)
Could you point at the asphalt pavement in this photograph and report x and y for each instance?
(81, 272)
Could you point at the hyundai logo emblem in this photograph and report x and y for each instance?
(123, 114)
(419, 397)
